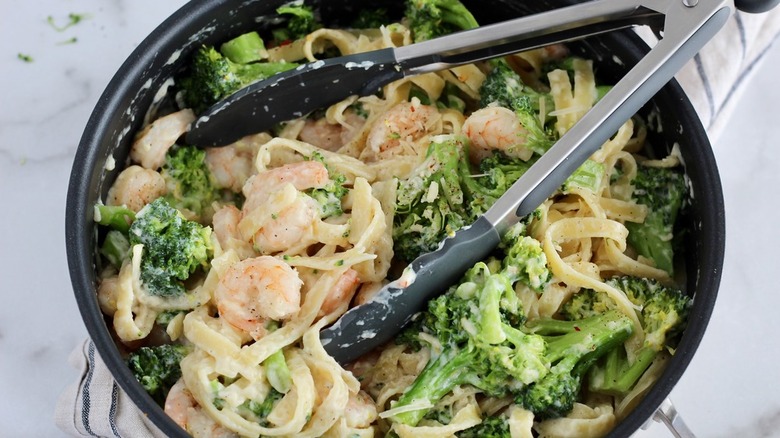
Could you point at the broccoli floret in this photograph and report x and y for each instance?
(505, 88)
(189, 181)
(212, 76)
(429, 204)
(115, 217)
(410, 335)
(475, 323)
(478, 325)
(587, 303)
(495, 175)
(525, 260)
(433, 18)
(490, 427)
(442, 195)
(572, 348)
(465, 320)
(663, 316)
(301, 22)
(173, 247)
(662, 190)
(157, 368)
(329, 197)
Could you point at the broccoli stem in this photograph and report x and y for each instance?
(277, 373)
(490, 308)
(116, 248)
(245, 48)
(572, 348)
(115, 217)
(440, 376)
(586, 339)
(618, 376)
(588, 176)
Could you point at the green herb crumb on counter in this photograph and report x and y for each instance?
(72, 20)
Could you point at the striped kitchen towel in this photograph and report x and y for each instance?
(95, 406)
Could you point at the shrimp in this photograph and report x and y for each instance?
(341, 293)
(225, 225)
(294, 221)
(184, 410)
(153, 142)
(495, 128)
(404, 123)
(230, 166)
(255, 291)
(288, 228)
(107, 292)
(360, 411)
(331, 136)
(367, 292)
(302, 175)
(135, 187)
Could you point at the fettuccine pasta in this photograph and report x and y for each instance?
(306, 226)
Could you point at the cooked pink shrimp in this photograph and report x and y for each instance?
(230, 166)
(292, 222)
(341, 293)
(302, 175)
(288, 227)
(330, 136)
(495, 128)
(405, 122)
(178, 402)
(107, 292)
(184, 410)
(367, 292)
(153, 141)
(136, 187)
(360, 410)
(257, 290)
(225, 225)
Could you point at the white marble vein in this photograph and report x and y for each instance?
(730, 388)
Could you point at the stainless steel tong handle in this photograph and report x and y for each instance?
(667, 414)
(686, 29)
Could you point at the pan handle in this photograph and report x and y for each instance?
(667, 414)
(755, 6)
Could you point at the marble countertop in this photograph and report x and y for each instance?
(730, 388)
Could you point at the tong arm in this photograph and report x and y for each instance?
(686, 30)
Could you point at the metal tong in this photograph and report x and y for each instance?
(683, 26)
(687, 26)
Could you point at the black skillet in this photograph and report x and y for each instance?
(129, 98)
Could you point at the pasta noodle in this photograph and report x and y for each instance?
(318, 223)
